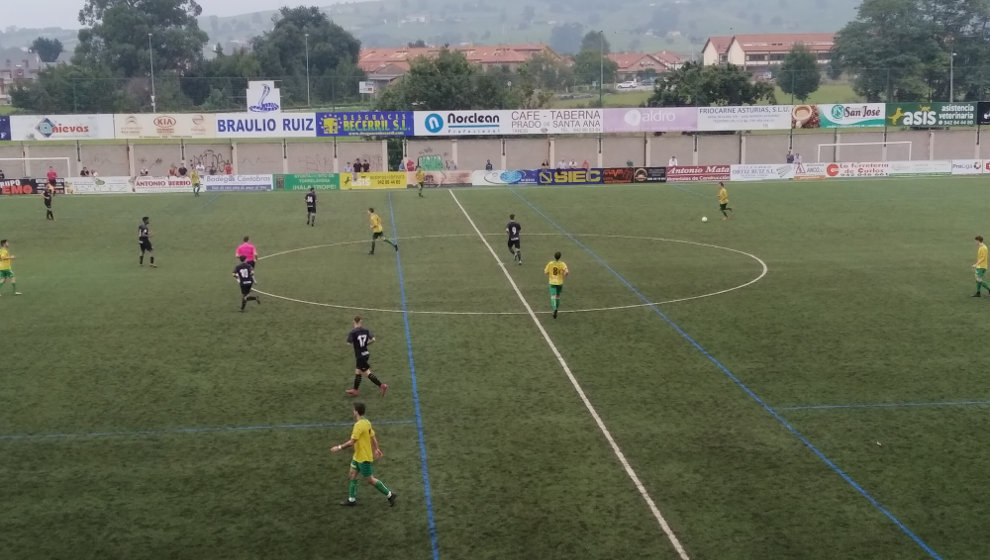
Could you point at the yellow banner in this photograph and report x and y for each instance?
(373, 180)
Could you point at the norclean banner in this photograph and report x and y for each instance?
(504, 177)
(306, 181)
(258, 182)
(556, 121)
(61, 127)
(364, 123)
(852, 115)
(651, 119)
(462, 123)
(931, 114)
(755, 117)
(164, 126)
(373, 180)
(4, 128)
(98, 185)
(282, 125)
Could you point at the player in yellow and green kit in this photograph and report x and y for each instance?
(981, 266)
(556, 270)
(376, 231)
(366, 450)
(5, 272)
(723, 201)
(420, 178)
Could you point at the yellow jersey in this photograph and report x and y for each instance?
(556, 270)
(420, 176)
(723, 196)
(194, 177)
(376, 223)
(981, 257)
(4, 259)
(362, 434)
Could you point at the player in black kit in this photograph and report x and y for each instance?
(513, 228)
(360, 338)
(144, 241)
(311, 207)
(47, 195)
(244, 274)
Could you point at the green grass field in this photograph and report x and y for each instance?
(143, 416)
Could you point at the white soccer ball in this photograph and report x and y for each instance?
(704, 219)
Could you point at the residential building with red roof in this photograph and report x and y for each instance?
(643, 66)
(764, 51)
(384, 65)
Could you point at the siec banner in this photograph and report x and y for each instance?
(364, 123)
(98, 185)
(164, 126)
(756, 117)
(569, 177)
(619, 175)
(282, 125)
(651, 119)
(852, 115)
(306, 181)
(698, 173)
(260, 182)
(931, 114)
(556, 121)
(61, 127)
(462, 123)
(761, 172)
(373, 180)
(504, 177)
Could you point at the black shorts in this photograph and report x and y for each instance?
(377, 234)
(251, 263)
(48, 204)
(246, 289)
(311, 209)
(723, 206)
(513, 244)
(362, 363)
(145, 244)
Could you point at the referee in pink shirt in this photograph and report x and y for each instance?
(248, 251)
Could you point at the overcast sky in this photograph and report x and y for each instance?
(64, 13)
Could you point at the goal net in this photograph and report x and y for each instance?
(34, 167)
(865, 151)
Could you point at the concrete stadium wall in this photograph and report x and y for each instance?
(510, 153)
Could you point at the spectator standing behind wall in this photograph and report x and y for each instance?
(672, 162)
(228, 169)
(789, 158)
(585, 165)
(488, 165)
(365, 166)
(183, 170)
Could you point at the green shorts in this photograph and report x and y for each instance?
(4, 274)
(980, 273)
(366, 469)
(555, 289)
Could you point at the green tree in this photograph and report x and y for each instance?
(73, 89)
(47, 49)
(799, 74)
(595, 41)
(218, 84)
(450, 82)
(694, 85)
(590, 67)
(545, 72)
(566, 39)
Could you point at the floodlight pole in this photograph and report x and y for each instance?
(601, 69)
(952, 76)
(308, 100)
(151, 57)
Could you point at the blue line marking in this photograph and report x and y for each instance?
(212, 200)
(189, 430)
(415, 391)
(738, 383)
(882, 405)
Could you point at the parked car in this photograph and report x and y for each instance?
(628, 85)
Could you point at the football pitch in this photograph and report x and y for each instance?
(804, 381)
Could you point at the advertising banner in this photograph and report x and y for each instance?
(260, 182)
(651, 119)
(365, 123)
(161, 184)
(811, 170)
(755, 117)
(304, 182)
(98, 185)
(983, 112)
(931, 114)
(556, 121)
(263, 97)
(164, 126)
(504, 177)
(446, 178)
(858, 169)
(761, 172)
(4, 128)
(852, 115)
(29, 185)
(967, 167)
(617, 175)
(373, 180)
(456, 123)
(569, 177)
(283, 125)
(695, 173)
(919, 167)
(61, 127)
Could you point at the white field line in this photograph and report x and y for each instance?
(584, 398)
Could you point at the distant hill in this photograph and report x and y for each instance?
(630, 25)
